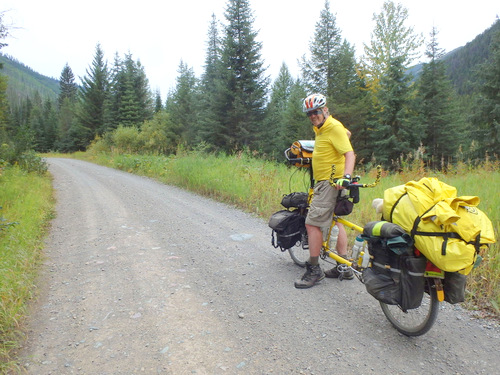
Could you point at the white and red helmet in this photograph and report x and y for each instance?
(313, 101)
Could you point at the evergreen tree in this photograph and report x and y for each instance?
(94, 95)
(487, 120)
(131, 102)
(277, 130)
(209, 125)
(182, 104)
(4, 110)
(395, 133)
(158, 102)
(437, 108)
(241, 92)
(67, 86)
(66, 102)
(298, 125)
(319, 71)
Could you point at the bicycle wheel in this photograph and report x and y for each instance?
(299, 255)
(414, 322)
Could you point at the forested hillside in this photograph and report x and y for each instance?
(25, 82)
(462, 63)
(447, 113)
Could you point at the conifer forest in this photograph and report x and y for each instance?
(444, 111)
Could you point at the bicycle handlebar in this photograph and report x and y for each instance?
(354, 181)
(353, 186)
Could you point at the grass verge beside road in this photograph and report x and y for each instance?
(27, 207)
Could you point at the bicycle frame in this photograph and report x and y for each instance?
(325, 250)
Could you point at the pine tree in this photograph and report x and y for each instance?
(94, 95)
(210, 125)
(298, 125)
(487, 121)
(395, 133)
(67, 86)
(131, 99)
(66, 103)
(437, 108)
(182, 104)
(319, 70)
(158, 102)
(277, 130)
(4, 32)
(241, 92)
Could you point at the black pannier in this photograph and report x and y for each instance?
(396, 276)
(288, 227)
(454, 287)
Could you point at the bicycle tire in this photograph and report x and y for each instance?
(414, 322)
(299, 255)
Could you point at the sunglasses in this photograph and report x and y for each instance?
(313, 113)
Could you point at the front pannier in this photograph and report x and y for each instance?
(288, 227)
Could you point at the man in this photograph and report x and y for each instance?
(332, 146)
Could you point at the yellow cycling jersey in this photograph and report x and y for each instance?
(331, 143)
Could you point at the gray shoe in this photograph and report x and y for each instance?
(334, 273)
(313, 275)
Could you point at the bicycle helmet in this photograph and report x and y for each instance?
(313, 101)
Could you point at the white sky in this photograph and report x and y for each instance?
(47, 34)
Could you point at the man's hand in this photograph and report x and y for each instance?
(342, 183)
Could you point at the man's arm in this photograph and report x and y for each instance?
(350, 160)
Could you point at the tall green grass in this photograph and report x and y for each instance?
(257, 186)
(27, 205)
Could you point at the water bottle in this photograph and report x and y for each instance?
(334, 236)
(357, 247)
(365, 259)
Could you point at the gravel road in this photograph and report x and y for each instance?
(144, 278)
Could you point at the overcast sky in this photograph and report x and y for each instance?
(45, 35)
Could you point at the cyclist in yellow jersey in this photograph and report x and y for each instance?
(332, 147)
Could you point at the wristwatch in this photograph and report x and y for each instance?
(348, 176)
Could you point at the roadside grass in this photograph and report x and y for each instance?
(27, 207)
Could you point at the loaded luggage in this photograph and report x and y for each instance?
(395, 275)
(447, 229)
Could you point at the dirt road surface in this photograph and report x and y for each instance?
(144, 278)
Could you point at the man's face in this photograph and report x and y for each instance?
(317, 116)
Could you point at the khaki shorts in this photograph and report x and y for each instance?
(323, 203)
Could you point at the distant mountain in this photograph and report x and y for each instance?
(23, 81)
(463, 63)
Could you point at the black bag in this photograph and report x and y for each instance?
(288, 226)
(454, 287)
(343, 206)
(295, 200)
(396, 276)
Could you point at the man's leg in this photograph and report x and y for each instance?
(313, 273)
(342, 251)
(342, 240)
